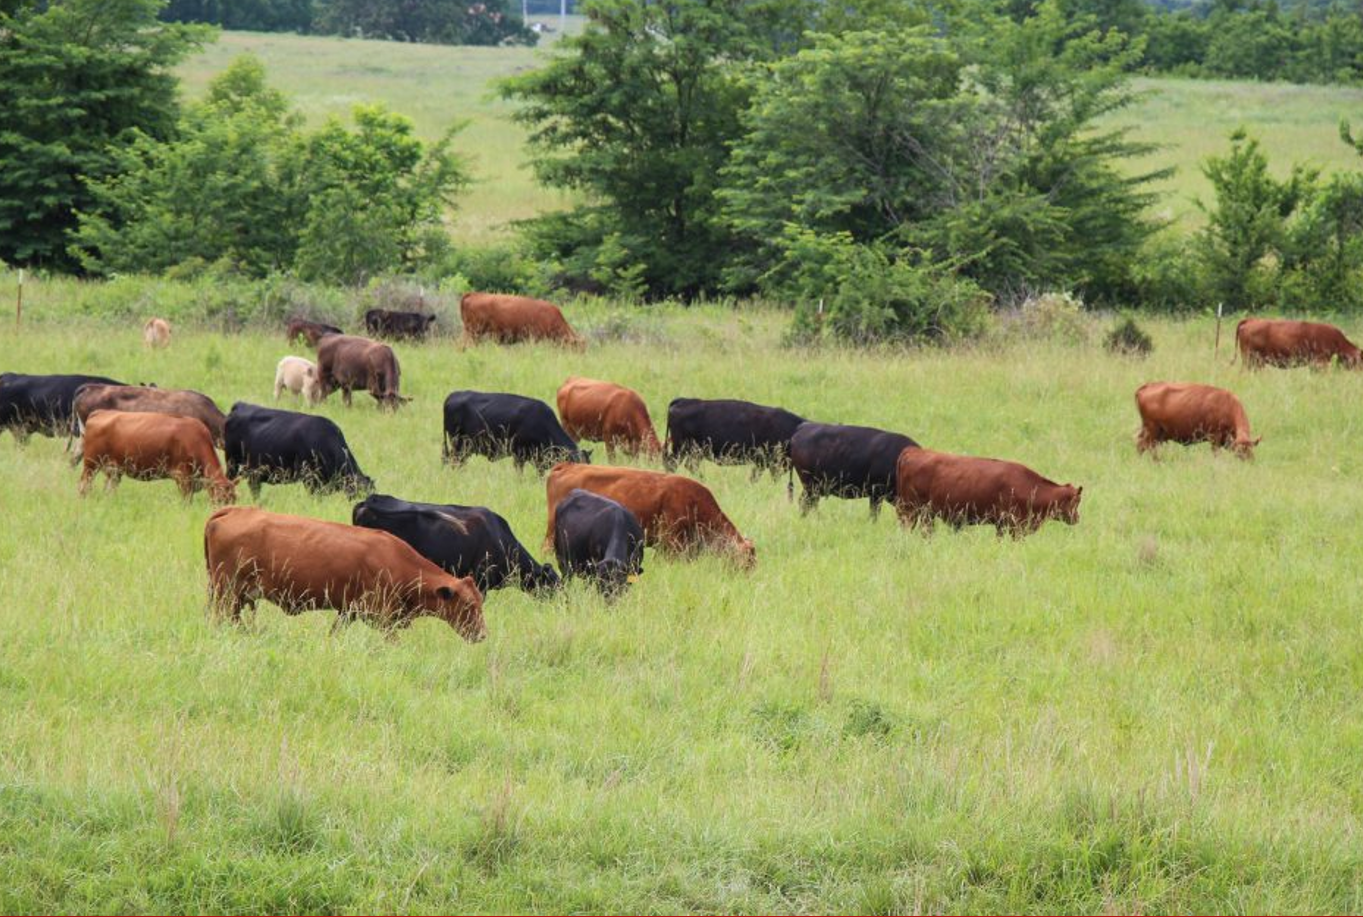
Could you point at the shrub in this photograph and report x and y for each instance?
(1052, 317)
(495, 269)
(1128, 338)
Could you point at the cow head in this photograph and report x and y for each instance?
(358, 485)
(541, 579)
(581, 456)
(1069, 506)
(223, 493)
(612, 577)
(1244, 447)
(745, 553)
(459, 604)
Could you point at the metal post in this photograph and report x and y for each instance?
(1216, 348)
(19, 303)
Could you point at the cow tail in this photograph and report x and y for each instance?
(667, 435)
(790, 480)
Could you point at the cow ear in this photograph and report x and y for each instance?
(1258, 440)
(444, 593)
(1079, 490)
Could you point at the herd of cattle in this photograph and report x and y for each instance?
(399, 560)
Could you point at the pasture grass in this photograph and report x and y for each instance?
(1156, 710)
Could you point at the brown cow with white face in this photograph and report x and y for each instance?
(150, 446)
(610, 413)
(1188, 412)
(302, 564)
(1274, 342)
(962, 489)
(677, 513)
(349, 362)
(510, 319)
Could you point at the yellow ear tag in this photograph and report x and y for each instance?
(632, 578)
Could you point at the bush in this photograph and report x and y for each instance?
(495, 269)
(1129, 339)
(1167, 277)
(1052, 317)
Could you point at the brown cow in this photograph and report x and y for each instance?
(1274, 342)
(677, 513)
(150, 446)
(349, 362)
(182, 402)
(509, 319)
(301, 564)
(1186, 412)
(613, 414)
(156, 333)
(312, 332)
(965, 490)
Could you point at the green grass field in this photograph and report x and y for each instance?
(1156, 710)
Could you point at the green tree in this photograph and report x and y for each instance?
(483, 22)
(82, 81)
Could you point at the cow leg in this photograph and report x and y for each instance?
(112, 476)
(345, 396)
(875, 508)
(87, 475)
(187, 484)
(755, 473)
(253, 481)
(808, 500)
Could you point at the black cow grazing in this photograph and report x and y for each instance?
(386, 324)
(833, 460)
(282, 447)
(598, 538)
(40, 404)
(497, 425)
(462, 540)
(729, 432)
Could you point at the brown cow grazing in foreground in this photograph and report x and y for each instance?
(312, 332)
(301, 564)
(509, 319)
(1274, 342)
(182, 402)
(156, 333)
(965, 490)
(349, 362)
(610, 413)
(677, 513)
(150, 446)
(1186, 412)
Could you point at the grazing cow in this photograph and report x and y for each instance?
(462, 540)
(156, 333)
(385, 324)
(280, 447)
(729, 432)
(965, 490)
(607, 412)
(40, 404)
(181, 402)
(348, 362)
(509, 319)
(598, 538)
(148, 447)
(834, 460)
(298, 376)
(1186, 412)
(677, 513)
(302, 564)
(1270, 342)
(496, 425)
(312, 332)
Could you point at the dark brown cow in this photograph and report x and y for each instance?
(302, 564)
(312, 332)
(610, 413)
(677, 513)
(965, 490)
(348, 362)
(509, 319)
(148, 447)
(1275, 342)
(181, 402)
(1186, 412)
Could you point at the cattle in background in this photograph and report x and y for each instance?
(298, 376)
(511, 319)
(1187, 412)
(282, 447)
(149, 447)
(497, 424)
(40, 404)
(462, 540)
(398, 325)
(964, 490)
(1271, 342)
(181, 402)
(677, 514)
(728, 431)
(156, 333)
(609, 413)
(312, 332)
(834, 460)
(348, 362)
(302, 564)
(598, 538)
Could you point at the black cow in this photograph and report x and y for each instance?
(383, 323)
(598, 538)
(833, 460)
(497, 425)
(40, 404)
(282, 447)
(729, 432)
(463, 540)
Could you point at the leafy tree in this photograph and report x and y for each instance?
(252, 15)
(81, 81)
(482, 22)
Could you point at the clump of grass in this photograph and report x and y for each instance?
(1128, 339)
